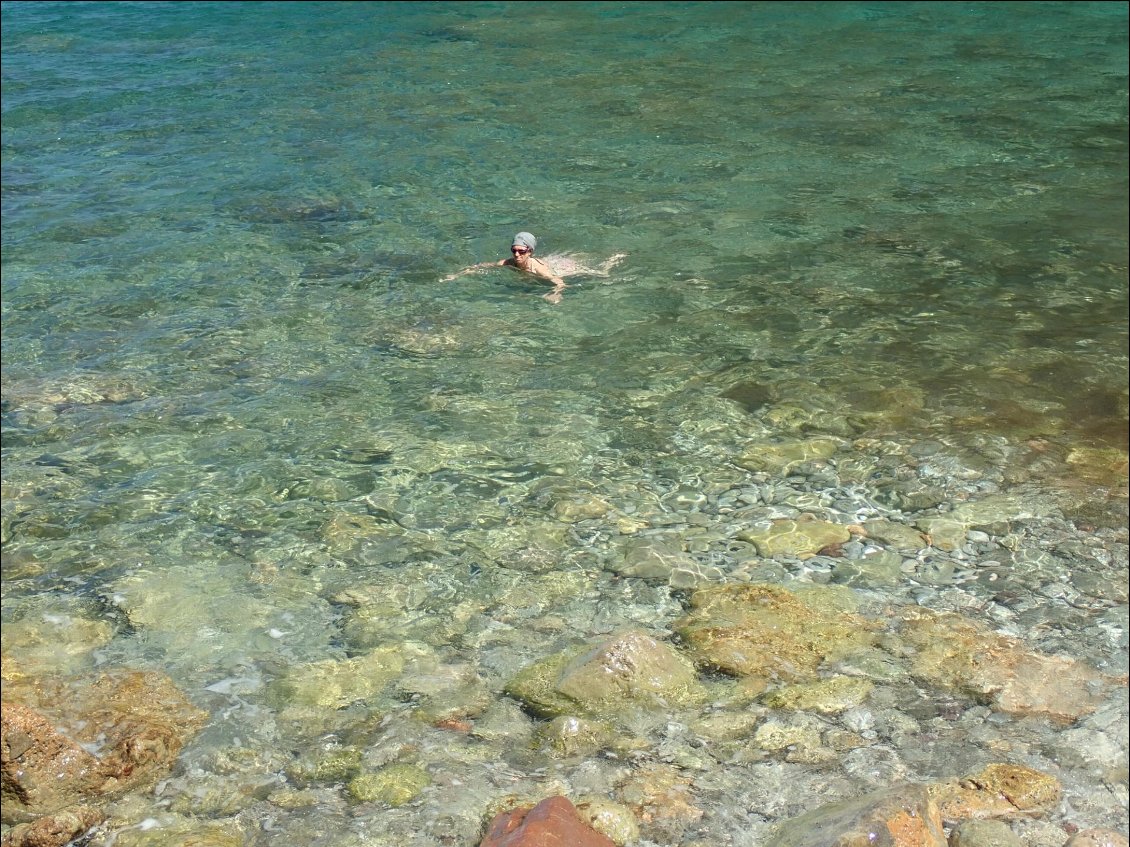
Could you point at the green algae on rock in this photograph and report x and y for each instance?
(824, 696)
(765, 630)
(394, 785)
(630, 669)
(334, 684)
(336, 766)
(781, 457)
(963, 655)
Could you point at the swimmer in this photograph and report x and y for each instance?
(522, 258)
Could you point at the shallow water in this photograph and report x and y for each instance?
(224, 335)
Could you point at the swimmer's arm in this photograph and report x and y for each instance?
(470, 270)
(559, 285)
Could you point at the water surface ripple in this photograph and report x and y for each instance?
(247, 427)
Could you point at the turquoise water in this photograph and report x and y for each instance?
(225, 336)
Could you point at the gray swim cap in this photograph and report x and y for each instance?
(524, 239)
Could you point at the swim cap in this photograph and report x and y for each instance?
(524, 239)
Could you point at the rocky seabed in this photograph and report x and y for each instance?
(821, 642)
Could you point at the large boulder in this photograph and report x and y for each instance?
(74, 741)
(1000, 791)
(966, 656)
(900, 816)
(630, 669)
(767, 631)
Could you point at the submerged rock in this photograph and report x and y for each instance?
(334, 684)
(335, 766)
(394, 785)
(580, 507)
(55, 830)
(344, 531)
(662, 797)
(984, 833)
(52, 638)
(611, 819)
(825, 696)
(43, 770)
(1098, 838)
(779, 458)
(650, 559)
(78, 741)
(571, 736)
(1000, 790)
(961, 654)
(554, 821)
(901, 816)
(630, 669)
(896, 535)
(795, 538)
(189, 831)
(764, 630)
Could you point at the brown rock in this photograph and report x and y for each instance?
(553, 822)
(1000, 791)
(766, 631)
(903, 816)
(134, 722)
(661, 797)
(1098, 838)
(967, 656)
(55, 830)
(41, 770)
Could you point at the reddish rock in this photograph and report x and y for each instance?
(1098, 838)
(968, 656)
(553, 822)
(40, 768)
(900, 816)
(662, 799)
(82, 740)
(999, 790)
(56, 830)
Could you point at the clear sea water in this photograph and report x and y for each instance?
(225, 335)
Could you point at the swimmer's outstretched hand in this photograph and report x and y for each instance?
(473, 269)
(553, 297)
